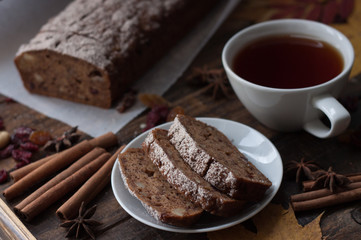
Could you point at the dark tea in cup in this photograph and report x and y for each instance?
(288, 61)
(288, 74)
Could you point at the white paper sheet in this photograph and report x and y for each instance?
(20, 20)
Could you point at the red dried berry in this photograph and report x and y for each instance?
(9, 100)
(2, 127)
(29, 146)
(21, 155)
(6, 152)
(3, 176)
(22, 163)
(156, 116)
(21, 135)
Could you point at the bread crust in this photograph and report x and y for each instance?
(92, 51)
(178, 173)
(210, 153)
(143, 180)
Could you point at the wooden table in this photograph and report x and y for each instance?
(292, 146)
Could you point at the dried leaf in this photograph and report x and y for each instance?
(346, 8)
(152, 100)
(273, 223)
(330, 11)
(356, 215)
(327, 11)
(314, 13)
(173, 113)
(286, 11)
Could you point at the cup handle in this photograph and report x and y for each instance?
(339, 117)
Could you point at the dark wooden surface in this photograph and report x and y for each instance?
(336, 222)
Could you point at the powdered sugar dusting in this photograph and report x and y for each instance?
(195, 156)
(184, 179)
(210, 153)
(160, 200)
(91, 30)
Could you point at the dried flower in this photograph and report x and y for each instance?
(329, 179)
(83, 224)
(216, 79)
(68, 139)
(302, 169)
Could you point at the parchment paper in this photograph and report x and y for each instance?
(20, 20)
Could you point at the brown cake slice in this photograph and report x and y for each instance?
(178, 173)
(211, 154)
(160, 199)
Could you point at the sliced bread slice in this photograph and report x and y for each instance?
(159, 198)
(179, 174)
(212, 155)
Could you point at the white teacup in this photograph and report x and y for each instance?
(298, 108)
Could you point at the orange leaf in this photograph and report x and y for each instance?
(273, 223)
(152, 100)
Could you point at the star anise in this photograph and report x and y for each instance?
(215, 78)
(329, 179)
(82, 224)
(302, 169)
(68, 139)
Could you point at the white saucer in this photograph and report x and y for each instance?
(255, 146)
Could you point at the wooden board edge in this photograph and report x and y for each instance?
(11, 225)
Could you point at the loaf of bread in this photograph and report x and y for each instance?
(145, 182)
(184, 179)
(93, 50)
(211, 154)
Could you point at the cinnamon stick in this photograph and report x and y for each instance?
(322, 193)
(106, 140)
(90, 156)
(355, 177)
(89, 190)
(60, 161)
(327, 201)
(59, 190)
(21, 172)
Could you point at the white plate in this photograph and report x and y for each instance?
(256, 147)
